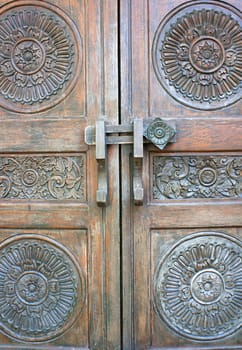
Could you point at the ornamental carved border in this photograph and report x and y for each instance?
(43, 177)
(40, 56)
(42, 288)
(197, 177)
(197, 286)
(197, 54)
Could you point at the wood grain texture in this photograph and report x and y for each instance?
(198, 132)
(59, 131)
(42, 135)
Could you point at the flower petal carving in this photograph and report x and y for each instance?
(197, 177)
(197, 55)
(42, 288)
(197, 286)
(39, 56)
(43, 177)
(159, 133)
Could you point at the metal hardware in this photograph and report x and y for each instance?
(156, 131)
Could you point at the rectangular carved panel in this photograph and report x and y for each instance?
(52, 177)
(187, 177)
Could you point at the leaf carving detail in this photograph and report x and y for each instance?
(197, 177)
(37, 177)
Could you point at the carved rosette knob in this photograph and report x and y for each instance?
(159, 133)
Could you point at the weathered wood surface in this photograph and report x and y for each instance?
(59, 63)
(203, 131)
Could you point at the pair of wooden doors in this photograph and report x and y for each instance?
(159, 264)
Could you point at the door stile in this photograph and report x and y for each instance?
(126, 205)
(105, 229)
(133, 105)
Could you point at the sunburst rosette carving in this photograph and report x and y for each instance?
(197, 289)
(197, 56)
(40, 56)
(42, 288)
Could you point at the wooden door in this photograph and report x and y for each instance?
(59, 251)
(181, 62)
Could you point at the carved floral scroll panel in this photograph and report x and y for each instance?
(43, 177)
(184, 177)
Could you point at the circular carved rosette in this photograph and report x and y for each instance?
(42, 289)
(159, 133)
(40, 56)
(198, 286)
(197, 54)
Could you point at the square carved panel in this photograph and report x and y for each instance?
(195, 286)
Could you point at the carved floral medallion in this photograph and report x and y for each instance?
(39, 56)
(198, 286)
(43, 177)
(159, 133)
(42, 288)
(197, 177)
(197, 54)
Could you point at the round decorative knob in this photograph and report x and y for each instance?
(159, 133)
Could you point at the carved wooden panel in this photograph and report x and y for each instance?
(43, 177)
(184, 177)
(42, 288)
(197, 286)
(197, 54)
(40, 55)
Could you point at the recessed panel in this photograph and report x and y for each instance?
(41, 55)
(48, 177)
(197, 54)
(196, 285)
(196, 177)
(43, 286)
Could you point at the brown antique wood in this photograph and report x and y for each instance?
(59, 284)
(177, 246)
(91, 230)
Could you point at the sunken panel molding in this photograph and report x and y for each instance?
(197, 54)
(196, 177)
(197, 286)
(40, 55)
(43, 177)
(42, 288)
